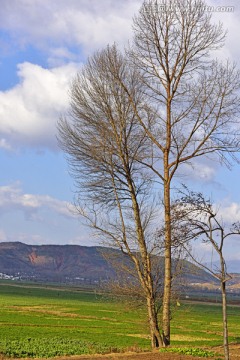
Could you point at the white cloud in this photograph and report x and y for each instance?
(39, 219)
(64, 31)
(30, 110)
(229, 17)
(200, 170)
(12, 198)
(204, 172)
(229, 212)
(5, 145)
(60, 55)
(88, 24)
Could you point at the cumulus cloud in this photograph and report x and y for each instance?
(12, 198)
(200, 171)
(64, 31)
(86, 24)
(229, 16)
(30, 110)
(39, 219)
(229, 212)
(203, 171)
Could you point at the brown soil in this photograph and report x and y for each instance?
(146, 356)
(140, 356)
(234, 355)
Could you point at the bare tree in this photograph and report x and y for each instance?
(106, 146)
(126, 285)
(172, 104)
(193, 98)
(201, 221)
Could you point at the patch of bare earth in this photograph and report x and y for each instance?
(139, 356)
(234, 355)
(235, 352)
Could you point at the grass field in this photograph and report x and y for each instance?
(45, 322)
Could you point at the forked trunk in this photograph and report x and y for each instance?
(156, 338)
(146, 276)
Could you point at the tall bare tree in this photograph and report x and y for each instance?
(182, 105)
(193, 97)
(106, 146)
(202, 221)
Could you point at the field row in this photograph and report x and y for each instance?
(43, 322)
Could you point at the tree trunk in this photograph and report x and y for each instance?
(156, 338)
(225, 322)
(146, 276)
(167, 267)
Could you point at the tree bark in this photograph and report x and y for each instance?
(168, 231)
(225, 322)
(146, 275)
(156, 339)
(167, 267)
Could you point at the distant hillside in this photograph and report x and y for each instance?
(59, 263)
(75, 264)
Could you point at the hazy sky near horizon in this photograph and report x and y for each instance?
(43, 45)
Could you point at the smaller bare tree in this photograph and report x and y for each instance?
(126, 284)
(105, 146)
(202, 221)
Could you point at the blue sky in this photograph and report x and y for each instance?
(43, 45)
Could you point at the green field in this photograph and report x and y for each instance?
(45, 322)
